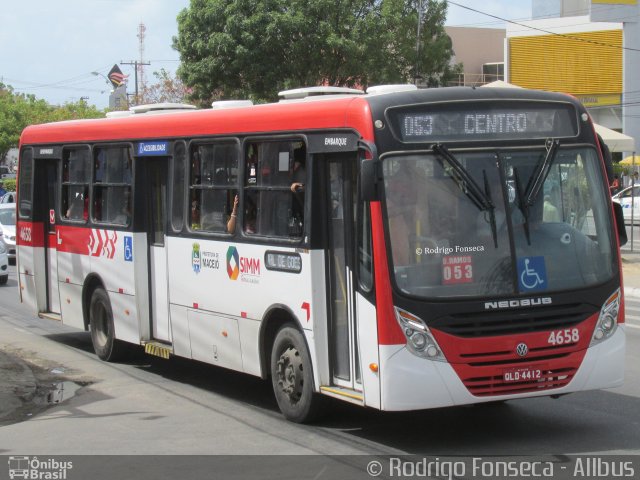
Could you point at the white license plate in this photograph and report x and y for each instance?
(523, 374)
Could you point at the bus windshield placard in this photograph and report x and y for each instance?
(483, 121)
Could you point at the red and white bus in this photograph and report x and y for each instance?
(398, 250)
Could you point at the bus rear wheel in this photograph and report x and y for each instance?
(292, 376)
(103, 334)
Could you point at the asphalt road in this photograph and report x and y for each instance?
(153, 406)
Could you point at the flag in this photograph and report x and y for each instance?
(116, 76)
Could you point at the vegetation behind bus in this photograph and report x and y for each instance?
(20, 110)
(255, 49)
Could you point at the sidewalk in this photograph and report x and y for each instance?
(631, 271)
(17, 385)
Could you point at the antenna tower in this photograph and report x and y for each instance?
(140, 66)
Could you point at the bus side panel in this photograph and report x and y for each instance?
(250, 346)
(215, 339)
(320, 337)
(368, 346)
(73, 258)
(52, 274)
(140, 285)
(180, 331)
(232, 281)
(31, 265)
(71, 304)
(114, 263)
(28, 291)
(125, 318)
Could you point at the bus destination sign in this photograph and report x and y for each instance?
(283, 261)
(515, 121)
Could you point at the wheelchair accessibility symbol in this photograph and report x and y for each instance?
(128, 249)
(532, 274)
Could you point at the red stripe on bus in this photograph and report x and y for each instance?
(29, 234)
(73, 239)
(389, 332)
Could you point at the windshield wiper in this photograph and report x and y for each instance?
(527, 198)
(468, 186)
(541, 172)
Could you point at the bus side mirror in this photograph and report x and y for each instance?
(370, 180)
(619, 218)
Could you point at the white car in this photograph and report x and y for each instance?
(9, 197)
(4, 264)
(629, 198)
(8, 228)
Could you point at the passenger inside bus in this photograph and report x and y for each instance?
(299, 172)
(122, 218)
(231, 223)
(299, 178)
(250, 214)
(78, 209)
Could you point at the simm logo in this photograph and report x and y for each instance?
(247, 268)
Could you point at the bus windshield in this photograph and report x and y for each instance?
(497, 222)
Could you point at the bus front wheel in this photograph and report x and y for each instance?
(292, 376)
(103, 334)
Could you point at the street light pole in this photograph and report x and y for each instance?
(417, 71)
(98, 74)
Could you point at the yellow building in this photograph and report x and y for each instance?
(571, 55)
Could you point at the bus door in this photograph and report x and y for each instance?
(341, 202)
(154, 178)
(45, 188)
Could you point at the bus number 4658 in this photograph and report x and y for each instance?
(561, 337)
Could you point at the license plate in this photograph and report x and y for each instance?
(523, 374)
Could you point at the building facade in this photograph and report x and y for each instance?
(587, 48)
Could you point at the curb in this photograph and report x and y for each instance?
(17, 384)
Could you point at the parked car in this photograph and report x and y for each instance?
(9, 197)
(8, 229)
(629, 198)
(4, 264)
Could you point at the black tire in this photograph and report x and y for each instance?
(4, 279)
(292, 376)
(103, 334)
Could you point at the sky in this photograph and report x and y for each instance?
(50, 48)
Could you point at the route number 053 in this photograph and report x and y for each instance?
(562, 337)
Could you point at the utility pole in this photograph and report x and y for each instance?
(136, 64)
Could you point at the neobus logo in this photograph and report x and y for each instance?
(523, 302)
(237, 265)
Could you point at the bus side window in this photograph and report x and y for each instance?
(275, 180)
(75, 184)
(213, 187)
(177, 202)
(113, 172)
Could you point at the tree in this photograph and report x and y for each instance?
(167, 89)
(254, 48)
(17, 111)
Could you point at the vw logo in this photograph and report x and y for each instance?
(522, 349)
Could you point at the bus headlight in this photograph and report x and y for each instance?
(608, 320)
(3, 248)
(420, 341)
